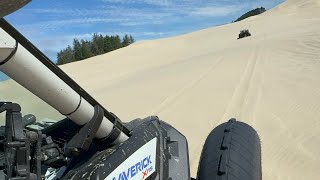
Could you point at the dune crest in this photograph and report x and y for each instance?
(303, 7)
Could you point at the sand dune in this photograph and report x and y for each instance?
(195, 81)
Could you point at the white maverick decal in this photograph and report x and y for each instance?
(140, 165)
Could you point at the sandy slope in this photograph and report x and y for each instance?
(196, 81)
(10, 91)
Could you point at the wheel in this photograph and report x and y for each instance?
(232, 151)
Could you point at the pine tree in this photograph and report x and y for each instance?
(65, 56)
(126, 41)
(107, 44)
(85, 49)
(99, 44)
(94, 47)
(77, 50)
(115, 42)
(131, 39)
(251, 13)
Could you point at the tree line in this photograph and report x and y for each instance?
(251, 13)
(99, 44)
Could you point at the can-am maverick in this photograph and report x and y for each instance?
(91, 142)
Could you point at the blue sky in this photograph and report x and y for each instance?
(52, 24)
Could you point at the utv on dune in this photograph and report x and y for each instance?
(244, 33)
(93, 143)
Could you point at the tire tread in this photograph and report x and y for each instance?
(232, 151)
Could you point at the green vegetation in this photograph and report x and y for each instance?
(251, 13)
(99, 44)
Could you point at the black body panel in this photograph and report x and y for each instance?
(172, 159)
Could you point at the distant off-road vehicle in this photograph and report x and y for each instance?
(244, 33)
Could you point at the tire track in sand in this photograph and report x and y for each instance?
(260, 78)
(240, 94)
(175, 96)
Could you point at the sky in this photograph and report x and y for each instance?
(53, 24)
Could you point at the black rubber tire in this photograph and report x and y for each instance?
(232, 151)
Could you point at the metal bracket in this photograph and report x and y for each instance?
(114, 134)
(82, 141)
